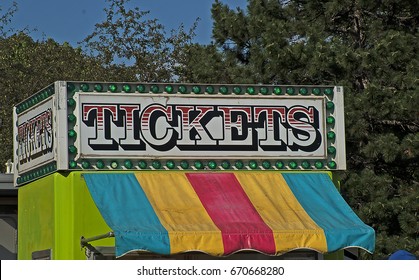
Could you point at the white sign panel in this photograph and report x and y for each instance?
(127, 126)
(35, 139)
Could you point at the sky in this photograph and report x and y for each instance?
(73, 20)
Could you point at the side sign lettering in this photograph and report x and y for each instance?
(35, 137)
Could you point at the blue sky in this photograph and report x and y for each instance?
(72, 20)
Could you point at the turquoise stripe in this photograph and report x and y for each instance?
(321, 200)
(127, 211)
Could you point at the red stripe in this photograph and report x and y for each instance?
(231, 210)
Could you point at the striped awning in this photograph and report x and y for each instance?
(221, 213)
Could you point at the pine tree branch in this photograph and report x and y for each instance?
(358, 27)
(411, 126)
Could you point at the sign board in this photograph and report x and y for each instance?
(81, 125)
(198, 127)
(35, 136)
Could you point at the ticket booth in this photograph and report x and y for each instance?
(183, 171)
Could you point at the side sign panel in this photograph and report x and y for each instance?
(35, 137)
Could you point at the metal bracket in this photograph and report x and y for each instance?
(84, 242)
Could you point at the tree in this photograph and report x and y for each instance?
(370, 48)
(27, 66)
(5, 18)
(130, 39)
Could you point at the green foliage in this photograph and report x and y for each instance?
(5, 18)
(28, 66)
(370, 48)
(210, 65)
(129, 38)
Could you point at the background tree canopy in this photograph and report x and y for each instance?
(130, 39)
(369, 47)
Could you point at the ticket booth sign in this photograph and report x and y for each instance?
(35, 138)
(114, 126)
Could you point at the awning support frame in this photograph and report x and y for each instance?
(84, 242)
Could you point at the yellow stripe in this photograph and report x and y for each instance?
(291, 225)
(180, 211)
